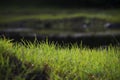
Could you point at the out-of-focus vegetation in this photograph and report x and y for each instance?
(17, 14)
(58, 19)
(60, 14)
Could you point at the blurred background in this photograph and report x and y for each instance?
(92, 22)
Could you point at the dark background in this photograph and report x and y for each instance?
(64, 3)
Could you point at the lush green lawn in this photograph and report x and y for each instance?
(43, 60)
(16, 14)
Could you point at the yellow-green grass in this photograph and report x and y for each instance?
(60, 63)
(111, 15)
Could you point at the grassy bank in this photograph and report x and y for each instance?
(44, 61)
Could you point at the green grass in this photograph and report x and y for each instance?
(17, 14)
(25, 61)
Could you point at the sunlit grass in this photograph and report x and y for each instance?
(63, 63)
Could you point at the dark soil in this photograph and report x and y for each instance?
(24, 70)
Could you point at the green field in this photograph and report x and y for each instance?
(44, 61)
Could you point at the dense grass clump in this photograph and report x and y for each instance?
(44, 61)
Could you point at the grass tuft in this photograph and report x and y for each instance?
(44, 61)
